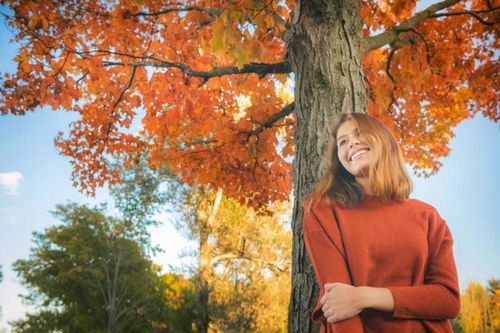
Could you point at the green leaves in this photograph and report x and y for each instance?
(93, 272)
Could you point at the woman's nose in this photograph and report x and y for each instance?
(354, 141)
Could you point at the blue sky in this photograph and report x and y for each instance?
(34, 178)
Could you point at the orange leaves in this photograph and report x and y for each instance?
(111, 62)
(206, 133)
(402, 10)
(444, 76)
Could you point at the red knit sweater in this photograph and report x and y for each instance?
(403, 246)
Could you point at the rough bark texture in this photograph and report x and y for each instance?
(324, 45)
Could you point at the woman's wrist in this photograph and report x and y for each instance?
(376, 298)
(365, 297)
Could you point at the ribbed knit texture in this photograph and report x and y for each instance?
(403, 246)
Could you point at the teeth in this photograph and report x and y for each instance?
(358, 153)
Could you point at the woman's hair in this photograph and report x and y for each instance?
(386, 173)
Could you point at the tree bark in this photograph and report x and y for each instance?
(204, 270)
(324, 47)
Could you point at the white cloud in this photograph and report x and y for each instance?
(10, 181)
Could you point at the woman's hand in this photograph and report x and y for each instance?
(341, 301)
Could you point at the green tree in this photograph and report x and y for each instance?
(242, 278)
(88, 275)
(143, 192)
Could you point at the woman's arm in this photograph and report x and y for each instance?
(342, 301)
(329, 265)
(439, 295)
(376, 298)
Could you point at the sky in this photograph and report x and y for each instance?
(34, 178)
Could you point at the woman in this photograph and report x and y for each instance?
(383, 262)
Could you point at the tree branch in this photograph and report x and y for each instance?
(427, 48)
(232, 256)
(130, 81)
(472, 13)
(210, 11)
(108, 130)
(374, 42)
(260, 69)
(267, 124)
(214, 13)
(388, 65)
(274, 118)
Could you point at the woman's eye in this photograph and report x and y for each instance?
(341, 142)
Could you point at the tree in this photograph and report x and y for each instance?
(85, 275)
(181, 299)
(480, 311)
(244, 263)
(494, 294)
(188, 67)
(241, 280)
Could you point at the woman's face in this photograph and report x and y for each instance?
(353, 149)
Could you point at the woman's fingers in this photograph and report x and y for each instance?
(330, 316)
(330, 286)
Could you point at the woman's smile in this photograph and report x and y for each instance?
(359, 153)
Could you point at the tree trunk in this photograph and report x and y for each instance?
(324, 50)
(203, 288)
(206, 222)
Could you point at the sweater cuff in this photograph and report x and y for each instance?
(399, 309)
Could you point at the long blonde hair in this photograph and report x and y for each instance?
(387, 174)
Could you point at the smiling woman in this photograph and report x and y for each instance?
(364, 158)
(383, 262)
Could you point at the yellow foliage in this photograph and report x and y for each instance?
(480, 312)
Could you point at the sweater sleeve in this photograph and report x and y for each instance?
(329, 266)
(439, 297)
